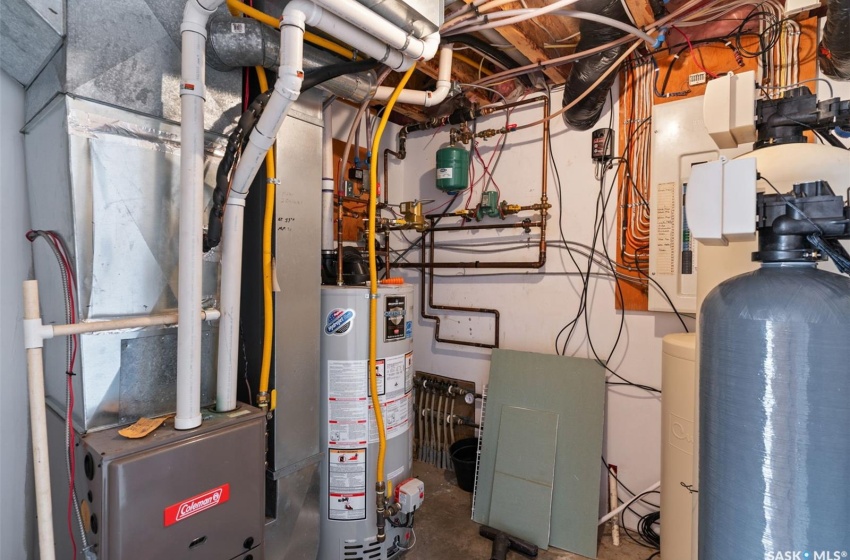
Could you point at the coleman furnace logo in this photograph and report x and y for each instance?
(196, 504)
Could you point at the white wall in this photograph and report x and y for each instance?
(17, 514)
(535, 307)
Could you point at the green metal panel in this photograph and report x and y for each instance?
(573, 388)
(525, 474)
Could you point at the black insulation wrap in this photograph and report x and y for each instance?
(222, 176)
(486, 49)
(834, 48)
(316, 76)
(247, 121)
(586, 71)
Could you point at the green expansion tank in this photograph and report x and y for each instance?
(452, 169)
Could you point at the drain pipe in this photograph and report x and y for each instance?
(286, 91)
(193, 31)
(425, 98)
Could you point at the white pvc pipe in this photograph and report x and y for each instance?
(327, 180)
(617, 511)
(395, 37)
(163, 319)
(285, 93)
(425, 98)
(190, 281)
(346, 32)
(231, 292)
(38, 427)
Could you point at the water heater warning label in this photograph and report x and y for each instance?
(396, 417)
(347, 407)
(347, 484)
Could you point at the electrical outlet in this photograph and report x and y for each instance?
(697, 79)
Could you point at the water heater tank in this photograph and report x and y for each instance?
(349, 433)
(774, 429)
(678, 372)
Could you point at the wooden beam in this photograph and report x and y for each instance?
(530, 49)
(641, 12)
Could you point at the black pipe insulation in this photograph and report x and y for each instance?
(586, 71)
(312, 78)
(222, 177)
(317, 76)
(834, 48)
(486, 49)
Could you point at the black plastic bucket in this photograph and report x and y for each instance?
(464, 453)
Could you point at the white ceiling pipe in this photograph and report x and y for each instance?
(425, 98)
(344, 31)
(286, 91)
(193, 32)
(394, 36)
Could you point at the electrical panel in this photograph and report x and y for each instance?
(679, 141)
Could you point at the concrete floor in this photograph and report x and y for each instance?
(444, 530)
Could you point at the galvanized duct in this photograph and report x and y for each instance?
(236, 42)
(834, 48)
(586, 71)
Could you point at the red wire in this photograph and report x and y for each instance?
(691, 51)
(487, 170)
(69, 414)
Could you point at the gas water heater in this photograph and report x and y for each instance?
(349, 433)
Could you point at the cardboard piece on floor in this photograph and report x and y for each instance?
(521, 503)
(573, 388)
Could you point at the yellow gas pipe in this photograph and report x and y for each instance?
(380, 486)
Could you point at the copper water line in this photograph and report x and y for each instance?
(437, 318)
(525, 224)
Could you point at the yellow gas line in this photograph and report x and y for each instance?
(263, 398)
(373, 275)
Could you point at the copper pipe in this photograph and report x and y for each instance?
(432, 305)
(426, 266)
(385, 186)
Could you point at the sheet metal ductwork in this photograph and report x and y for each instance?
(587, 70)
(235, 42)
(834, 48)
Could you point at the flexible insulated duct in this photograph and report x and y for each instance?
(834, 48)
(586, 71)
(235, 42)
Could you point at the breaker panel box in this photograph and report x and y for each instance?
(679, 141)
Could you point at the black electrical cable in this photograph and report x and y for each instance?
(491, 52)
(636, 538)
(561, 348)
